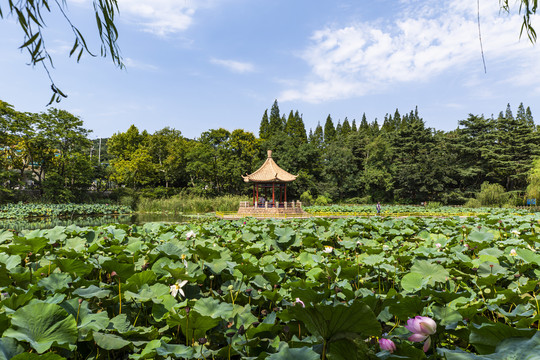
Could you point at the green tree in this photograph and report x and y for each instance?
(138, 171)
(275, 124)
(295, 128)
(243, 147)
(263, 128)
(168, 149)
(474, 146)
(515, 148)
(533, 181)
(318, 136)
(346, 128)
(329, 130)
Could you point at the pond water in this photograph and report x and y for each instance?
(46, 223)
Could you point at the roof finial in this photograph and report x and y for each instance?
(269, 153)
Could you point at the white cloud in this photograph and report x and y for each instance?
(135, 64)
(427, 40)
(234, 66)
(162, 17)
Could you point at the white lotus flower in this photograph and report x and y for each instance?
(513, 252)
(177, 288)
(328, 249)
(515, 232)
(438, 246)
(190, 234)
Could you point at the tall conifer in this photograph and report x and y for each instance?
(263, 128)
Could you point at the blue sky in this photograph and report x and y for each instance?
(195, 65)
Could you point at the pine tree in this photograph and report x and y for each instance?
(295, 128)
(353, 126)
(318, 136)
(329, 130)
(529, 117)
(263, 128)
(290, 125)
(339, 133)
(300, 128)
(364, 126)
(346, 128)
(275, 124)
(374, 128)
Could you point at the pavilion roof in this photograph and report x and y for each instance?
(270, 172)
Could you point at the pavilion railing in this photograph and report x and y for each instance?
(270, 204)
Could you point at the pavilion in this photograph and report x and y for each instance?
(270, 177)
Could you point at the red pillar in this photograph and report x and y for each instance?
(285, 192)
(257, 202)
(273, 197)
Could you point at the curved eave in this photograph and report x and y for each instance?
(275, 180)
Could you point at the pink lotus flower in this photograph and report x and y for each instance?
(421, 327)
(387, 344)
(298, 301)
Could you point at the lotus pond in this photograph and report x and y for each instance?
(274, 289)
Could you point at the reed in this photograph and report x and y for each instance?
(185, 204)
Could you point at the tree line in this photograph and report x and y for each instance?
(397, 160)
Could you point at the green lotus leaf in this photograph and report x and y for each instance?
(284, 235)
(330, 321)
(148, 293)
(481, 236)
(528, 256)
(123, 271)
(177, 350)
(110, 341)
(120, 323)
(413, 281)
(76, 244)
(116, 233)
(32, 356)
(5, 236)
(218, 265)
(486, 337)
(74, 266)
(92, 291)
(172, 250)
(24, 245)
(43, 326)
(9, 348)
(315, 273)
(433, 272)
(10, 261)
(139, 279)
(509, 349)
(404, 307)
(214, 308)
(86, 320)
(56, 282)
(286, 353)
(193, 326)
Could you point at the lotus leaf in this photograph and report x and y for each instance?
(43, 326)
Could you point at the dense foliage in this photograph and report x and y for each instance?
(399, 160)
(303, 289)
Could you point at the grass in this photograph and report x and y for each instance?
(186, 204)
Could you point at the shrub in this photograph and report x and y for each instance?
(306, 198)
(322, 200)
(491, 194)
(433, 205)
(472, 203)
(359, 200)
